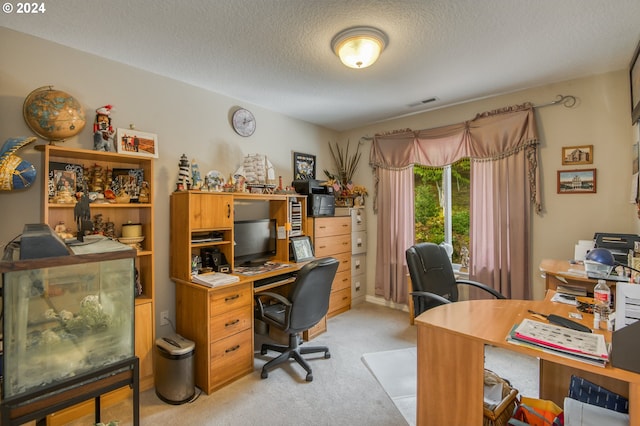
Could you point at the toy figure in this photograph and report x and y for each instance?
(103, 133)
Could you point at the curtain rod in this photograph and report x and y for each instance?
(568, 101)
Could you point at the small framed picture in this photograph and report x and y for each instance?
(301, 248)
(574, 155)
(137, 143)
(304, 166)
(577, 181)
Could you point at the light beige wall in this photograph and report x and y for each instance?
(186, 119)
(601, 118)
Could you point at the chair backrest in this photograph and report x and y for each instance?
(431, 270)
(310, 293)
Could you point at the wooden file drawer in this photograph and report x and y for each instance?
(328, 246)
(345, 261)
(223, 300)
(229, 322)
(328, 226)
(230, 358)
(340, 301)
(341, 281)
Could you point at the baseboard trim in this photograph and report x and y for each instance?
(387, 303)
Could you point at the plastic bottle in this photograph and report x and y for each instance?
(602, 296)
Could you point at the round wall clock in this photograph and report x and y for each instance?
(244, 123)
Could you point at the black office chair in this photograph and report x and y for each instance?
(307, 304)
(432, 278)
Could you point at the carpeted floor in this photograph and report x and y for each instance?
(343, 391)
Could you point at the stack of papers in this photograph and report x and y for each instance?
(587, 347)
(214, 279)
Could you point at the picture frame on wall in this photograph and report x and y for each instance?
(577, 181)
(634, 78)
(574, 155)
(304, 166)
(133, 142)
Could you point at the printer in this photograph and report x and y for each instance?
(320, 199)
(618, 244)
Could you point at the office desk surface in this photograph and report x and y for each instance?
(451, 341)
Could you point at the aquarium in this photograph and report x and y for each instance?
(65, 316)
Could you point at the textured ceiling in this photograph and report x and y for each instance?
(277, 54)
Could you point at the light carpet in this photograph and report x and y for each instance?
(396, 371)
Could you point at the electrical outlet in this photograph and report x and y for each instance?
(164, 318)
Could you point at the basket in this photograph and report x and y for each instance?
(499, 415)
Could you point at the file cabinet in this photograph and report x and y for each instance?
(358, 251)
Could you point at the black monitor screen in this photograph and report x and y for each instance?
(255, 241)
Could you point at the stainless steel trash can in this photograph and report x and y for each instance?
(175, 369)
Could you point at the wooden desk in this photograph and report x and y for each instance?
(561, 272)
(451, 341)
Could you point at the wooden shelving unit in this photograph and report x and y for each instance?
(119, 214)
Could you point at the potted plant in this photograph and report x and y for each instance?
(342, 181)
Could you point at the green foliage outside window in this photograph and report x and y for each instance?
(429, 210)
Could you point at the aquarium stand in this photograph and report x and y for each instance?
(36, 405)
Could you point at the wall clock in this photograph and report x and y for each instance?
(243, 122)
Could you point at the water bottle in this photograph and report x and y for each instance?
(602, 296)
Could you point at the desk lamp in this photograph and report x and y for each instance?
(600, 262)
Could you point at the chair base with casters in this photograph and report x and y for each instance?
(292, 351)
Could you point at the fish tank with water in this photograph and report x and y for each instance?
(65, 316)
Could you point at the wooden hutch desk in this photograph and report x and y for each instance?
(562, 272)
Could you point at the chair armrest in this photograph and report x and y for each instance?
(270, 296)
(481, 286)
(439, 300)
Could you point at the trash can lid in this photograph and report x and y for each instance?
(175, 344)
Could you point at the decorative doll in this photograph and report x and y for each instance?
(103, 133)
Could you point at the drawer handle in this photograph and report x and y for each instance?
(345, 280)
(358, 266)
(322, 227)
(323, 247)
(230, 298)
(345, 298)
(234, 322)
(345, 225)
(344, 243)
(233, 349)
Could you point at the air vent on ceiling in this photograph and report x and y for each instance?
(423, 102)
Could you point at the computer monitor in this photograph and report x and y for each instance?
(255, 241)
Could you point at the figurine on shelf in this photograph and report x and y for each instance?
(145, 193)
(184, 174)
(62, 231)
(196, 178)
(103, 134)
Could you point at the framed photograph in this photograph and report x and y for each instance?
(573, 155)
(634, 78)
(577, 181)
(56, 170)
(129, 181)
(136, 143)
(304, 166)
(301, 248)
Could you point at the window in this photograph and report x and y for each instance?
(441, 200)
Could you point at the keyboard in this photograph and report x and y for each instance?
(275, 279)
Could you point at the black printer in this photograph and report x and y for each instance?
(618, 244)
(320, 199)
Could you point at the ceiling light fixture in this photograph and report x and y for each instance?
(359, 47)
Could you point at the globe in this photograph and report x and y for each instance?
(53, 114)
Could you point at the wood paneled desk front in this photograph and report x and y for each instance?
(451, 340)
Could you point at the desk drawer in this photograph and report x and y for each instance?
(339, 301)
(230, 322)
(230, 358)
(327, 246)
(329, 226)
(345, 261)
(226, 299)
(341, 281)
